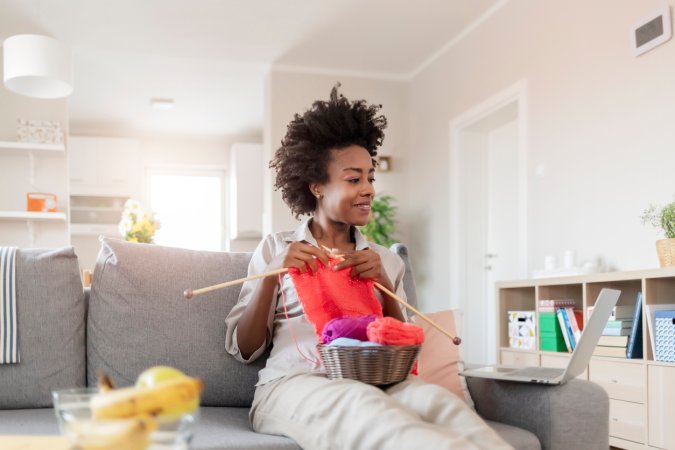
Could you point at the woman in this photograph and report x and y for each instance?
(325, 168)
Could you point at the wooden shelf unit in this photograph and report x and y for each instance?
(641, 391)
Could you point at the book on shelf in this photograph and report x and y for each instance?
(622, 312)
(650, 313)
(616, 332)
(613, 341)
(551, 305)
(623, 323)
(619, 312)
(616, 352)
(567, 336)
(575, 321)
(634, 346)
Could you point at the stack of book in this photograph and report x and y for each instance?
(622, 327)
(556, 327)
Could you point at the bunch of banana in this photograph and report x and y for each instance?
(124, 418)
(164, 397)
(123, 434)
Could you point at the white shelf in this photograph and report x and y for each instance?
(30, 146)
(29, 215)
(91, 229)
(98, 208)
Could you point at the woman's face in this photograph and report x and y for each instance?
(349, 191)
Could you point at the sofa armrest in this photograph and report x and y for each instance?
(572, 415)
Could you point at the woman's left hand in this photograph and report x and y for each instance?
(365, 264)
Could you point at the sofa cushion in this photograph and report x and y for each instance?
(138, 317)
(440, 361)
(516, 437)
(51, 323)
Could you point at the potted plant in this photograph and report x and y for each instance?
(663, 218)
(380, 227)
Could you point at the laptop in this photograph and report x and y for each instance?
(580, 357)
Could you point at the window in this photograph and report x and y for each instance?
(189, 205)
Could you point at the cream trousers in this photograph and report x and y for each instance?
(344, 414)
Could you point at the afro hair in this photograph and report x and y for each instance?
(305, 151)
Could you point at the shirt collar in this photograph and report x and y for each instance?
(303, 233)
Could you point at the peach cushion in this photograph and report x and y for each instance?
(439, 361)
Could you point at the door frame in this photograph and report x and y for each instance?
(457, 252)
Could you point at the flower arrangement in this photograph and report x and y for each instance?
(663, 218)
(138, 225)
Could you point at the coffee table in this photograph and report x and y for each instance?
(34, 443)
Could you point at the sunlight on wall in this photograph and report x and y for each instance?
(190, 210)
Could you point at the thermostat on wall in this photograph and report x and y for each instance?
(650, 32)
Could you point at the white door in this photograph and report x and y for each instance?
(488, 232)
(503, 219)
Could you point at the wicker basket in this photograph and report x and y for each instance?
(666, 251)
(387, 364)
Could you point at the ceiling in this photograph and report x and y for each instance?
(212, 56)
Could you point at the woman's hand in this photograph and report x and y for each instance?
(365, 264)
(301, 256)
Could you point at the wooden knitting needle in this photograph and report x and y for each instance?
(189, 293)
(455, 339)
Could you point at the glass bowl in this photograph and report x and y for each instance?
(74, 415)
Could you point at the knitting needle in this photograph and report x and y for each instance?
(455, 339)
(189, 293)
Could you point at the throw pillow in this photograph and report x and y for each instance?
(439, 361)
(51, 323)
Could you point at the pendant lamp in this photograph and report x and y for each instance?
(37, 66)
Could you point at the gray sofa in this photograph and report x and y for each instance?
(135, 316)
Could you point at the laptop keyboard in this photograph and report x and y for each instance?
(541, 373)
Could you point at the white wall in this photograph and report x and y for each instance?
(51, 172)
(289, 93)
(166, 152)
(600, 129)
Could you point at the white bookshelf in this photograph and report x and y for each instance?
(33, 216)
(12, 146)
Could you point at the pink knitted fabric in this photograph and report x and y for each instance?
(327, 294)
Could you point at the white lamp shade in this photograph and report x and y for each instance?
(37, 66)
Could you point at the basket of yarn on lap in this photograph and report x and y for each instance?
(373, 350)
(355, 341)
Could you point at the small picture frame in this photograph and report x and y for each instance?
(383, 163)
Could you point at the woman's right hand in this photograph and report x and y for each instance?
(300, 255)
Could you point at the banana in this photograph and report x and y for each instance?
(122, 434)
(155, 400)
(105, 383)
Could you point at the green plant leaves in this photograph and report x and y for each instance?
(381, 226)
(663, 218)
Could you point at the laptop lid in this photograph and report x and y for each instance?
(591, 333)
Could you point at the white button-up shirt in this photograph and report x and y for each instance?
(294, 349)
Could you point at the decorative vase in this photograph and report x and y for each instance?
(666, 251)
